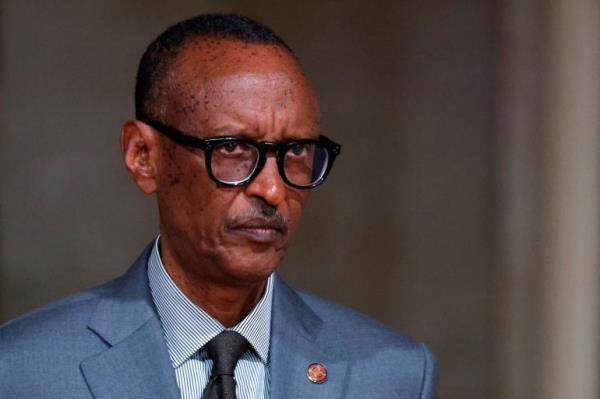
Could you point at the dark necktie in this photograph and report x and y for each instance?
(225, 350)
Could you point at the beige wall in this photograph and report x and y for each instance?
(548, 175)
(430, 220)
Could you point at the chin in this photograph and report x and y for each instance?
(251, 267)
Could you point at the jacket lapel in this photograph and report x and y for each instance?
(136, 364)
(295, 344)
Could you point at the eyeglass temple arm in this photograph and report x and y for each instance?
(176, 135)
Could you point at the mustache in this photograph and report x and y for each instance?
(260, 214)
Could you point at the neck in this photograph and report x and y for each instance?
(226, 302)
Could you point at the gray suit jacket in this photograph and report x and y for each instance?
(108, 343)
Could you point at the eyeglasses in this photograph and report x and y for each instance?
(235, 161)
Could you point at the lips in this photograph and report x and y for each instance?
(259, 229)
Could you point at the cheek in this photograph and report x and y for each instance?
(295, 202)
(205, 205)
(174, 168)
(187, 195)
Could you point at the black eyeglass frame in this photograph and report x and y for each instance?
(279, 148)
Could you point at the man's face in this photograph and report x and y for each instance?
(227, 88)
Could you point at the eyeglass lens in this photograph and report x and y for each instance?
(303, 163)
(234, 161)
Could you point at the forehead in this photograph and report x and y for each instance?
(214, 56)
(216, 81)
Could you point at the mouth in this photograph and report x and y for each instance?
(259, 230)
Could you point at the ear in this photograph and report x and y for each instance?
(140, 148)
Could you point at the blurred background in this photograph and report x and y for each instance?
(464, 209)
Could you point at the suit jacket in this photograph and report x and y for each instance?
(108, 343)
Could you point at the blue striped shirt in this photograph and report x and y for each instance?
(187, 328)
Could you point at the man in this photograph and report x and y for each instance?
(226, 137)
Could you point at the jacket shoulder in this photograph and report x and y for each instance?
(405, 363)
(40, 352)
(67, 316)
(352, 325)
(58, 329)
(57, 317)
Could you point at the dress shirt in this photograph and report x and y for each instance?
(187, 328)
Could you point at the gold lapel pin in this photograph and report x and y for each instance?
(316, 373)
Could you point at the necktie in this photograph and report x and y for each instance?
(225, 350)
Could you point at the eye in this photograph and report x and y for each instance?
(234, 148)
(298, 149)
(230, 146)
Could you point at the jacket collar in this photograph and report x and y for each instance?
(127, 306)
(137, 363)
(297, 341)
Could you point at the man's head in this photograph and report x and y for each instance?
(213, 76)
(153, 80)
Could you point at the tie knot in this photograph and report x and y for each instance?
(225, 350)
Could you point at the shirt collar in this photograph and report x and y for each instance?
(187, 327)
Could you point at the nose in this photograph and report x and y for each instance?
(268, 185)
